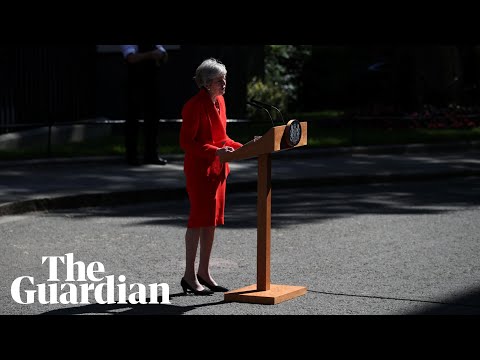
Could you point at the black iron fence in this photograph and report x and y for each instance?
(45, 84)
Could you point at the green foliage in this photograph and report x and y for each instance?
(266, 92)
(281, 82)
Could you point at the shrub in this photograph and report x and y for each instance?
(281, 82)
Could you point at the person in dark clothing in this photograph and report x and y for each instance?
(143, 61)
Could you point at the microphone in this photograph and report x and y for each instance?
(261, 107)
(270, 106)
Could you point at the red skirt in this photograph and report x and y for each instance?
(207, 203)
(206, 184)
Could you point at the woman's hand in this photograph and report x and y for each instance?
(225, 149)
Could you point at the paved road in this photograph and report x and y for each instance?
(373, 249)
(27, 186)
(363, 246)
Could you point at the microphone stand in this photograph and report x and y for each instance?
(261, 107)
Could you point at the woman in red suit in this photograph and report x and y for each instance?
(203, 137)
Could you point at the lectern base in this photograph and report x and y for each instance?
(275, 295)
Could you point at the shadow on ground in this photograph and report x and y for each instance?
(310, 204)
(132, 309)
(462, 304)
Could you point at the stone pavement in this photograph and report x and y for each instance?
(68, 183)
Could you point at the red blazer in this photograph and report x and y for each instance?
(203, 131)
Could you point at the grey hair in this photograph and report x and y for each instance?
(208, 70)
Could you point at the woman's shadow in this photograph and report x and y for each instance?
(131, 309)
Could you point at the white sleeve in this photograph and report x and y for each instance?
(128, 49)
(161, 48)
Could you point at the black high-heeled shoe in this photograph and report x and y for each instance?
(186, 286)
(214, 288)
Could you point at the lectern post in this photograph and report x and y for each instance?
(264, 216)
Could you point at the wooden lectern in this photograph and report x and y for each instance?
(278, 138)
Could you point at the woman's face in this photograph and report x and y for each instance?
(218, 85)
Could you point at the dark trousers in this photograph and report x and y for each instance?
(142, 103)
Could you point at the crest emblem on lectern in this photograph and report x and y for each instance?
(293, 132)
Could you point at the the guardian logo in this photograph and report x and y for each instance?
(24, 290)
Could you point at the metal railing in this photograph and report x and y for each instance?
(94, 122)
(43, 84)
